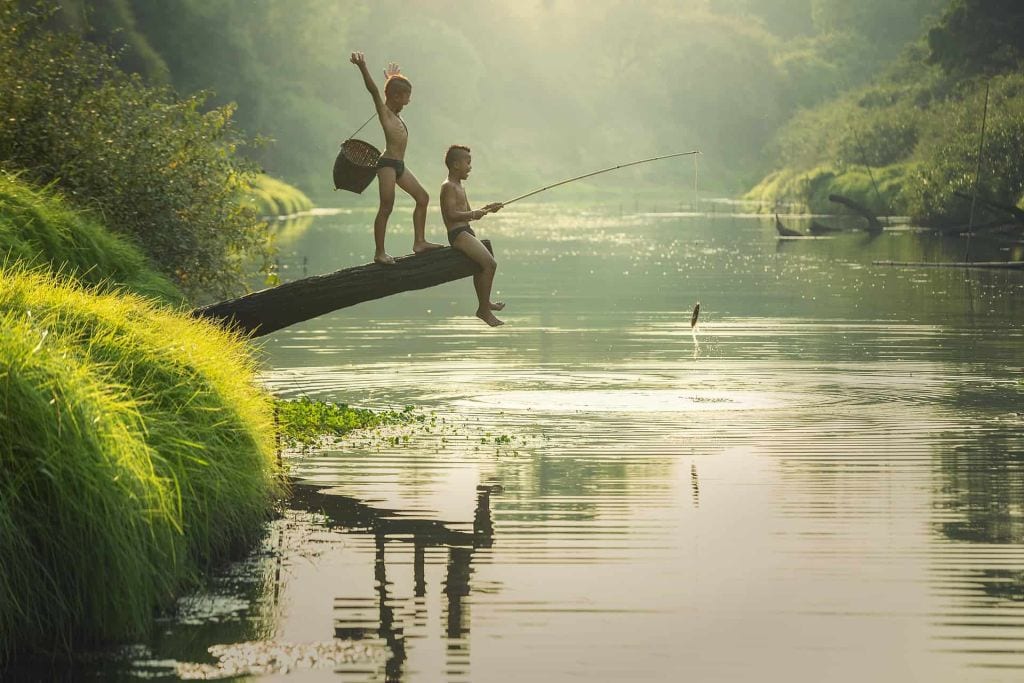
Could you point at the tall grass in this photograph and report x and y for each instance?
(135, 450)
(273, 197)
(38, 228)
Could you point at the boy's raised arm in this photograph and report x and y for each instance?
(359, 60)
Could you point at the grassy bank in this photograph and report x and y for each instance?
(38, 228)
(273, 197)
(136, 450)
(878, 189)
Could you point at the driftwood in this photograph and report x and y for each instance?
(873, 224)
(784, 231)
(271, 309)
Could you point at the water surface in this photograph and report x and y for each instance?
(825, 483)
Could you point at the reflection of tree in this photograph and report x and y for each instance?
(566, 484)
(983, 487)
(385, 524)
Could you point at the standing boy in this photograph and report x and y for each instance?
(391, 166)
(456, 214)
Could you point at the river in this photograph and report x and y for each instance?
(825, 482)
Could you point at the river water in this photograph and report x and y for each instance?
(825, 482)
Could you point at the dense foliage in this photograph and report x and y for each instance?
(977, 36)
(540, 90)
(153, 166)
(916, 132)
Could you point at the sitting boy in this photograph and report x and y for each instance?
(456, 214)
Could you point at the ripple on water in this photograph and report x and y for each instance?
(628, 401)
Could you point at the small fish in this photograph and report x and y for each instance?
(696, 314)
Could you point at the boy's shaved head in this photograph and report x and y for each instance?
(398, 81)
(454, 153)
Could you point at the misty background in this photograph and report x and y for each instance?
(540, 89)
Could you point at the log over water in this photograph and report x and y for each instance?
(272, 309)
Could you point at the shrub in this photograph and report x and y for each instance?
(948, 153)
(153, 165)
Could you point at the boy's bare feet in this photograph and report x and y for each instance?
(498, 306)
(489, 318)
(384, 259)
(420, 247)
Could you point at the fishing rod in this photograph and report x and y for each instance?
(603, 170)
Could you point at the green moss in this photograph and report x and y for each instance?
(135, 450)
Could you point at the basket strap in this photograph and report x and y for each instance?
(362, 126)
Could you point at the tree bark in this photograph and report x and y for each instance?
(272, 309)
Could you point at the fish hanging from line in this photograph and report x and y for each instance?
(696, 314)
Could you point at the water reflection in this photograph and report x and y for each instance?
(353, 620)
(835, 472)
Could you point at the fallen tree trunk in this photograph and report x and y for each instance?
(873, 224)
(271, 309)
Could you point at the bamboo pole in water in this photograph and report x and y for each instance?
(977, 175)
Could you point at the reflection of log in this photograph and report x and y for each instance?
(271, 309)
(822, 229)
(1012, 265)
(784, 231)
(873, 224)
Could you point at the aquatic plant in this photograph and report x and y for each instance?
(135, 450)
(306, 423)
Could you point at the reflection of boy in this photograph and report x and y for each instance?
(456, 214)
(391, 168)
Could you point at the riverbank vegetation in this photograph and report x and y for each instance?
(160, 168)
(136, 447)
(271, 197)
(137, 450)
(909, 142)
(39, 229)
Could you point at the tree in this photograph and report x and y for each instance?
(979, 36)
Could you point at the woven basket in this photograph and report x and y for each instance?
(356, 165)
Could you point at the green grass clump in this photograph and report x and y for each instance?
(273, 197)
(809, 190)
(37, 228)
(305, 423)
(135, 450)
